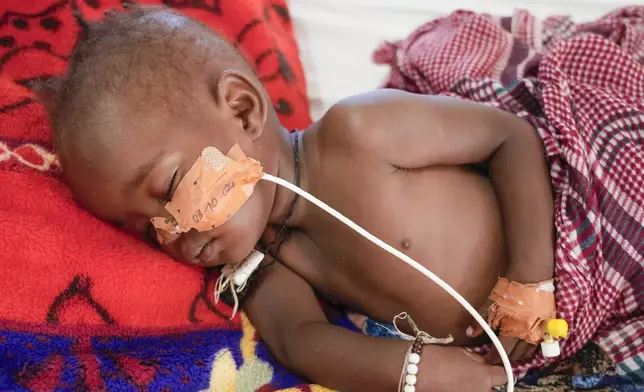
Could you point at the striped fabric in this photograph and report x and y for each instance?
(582, 87)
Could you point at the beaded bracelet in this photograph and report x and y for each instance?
(409, 374)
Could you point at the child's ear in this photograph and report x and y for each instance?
(46, 92)
(245, 99)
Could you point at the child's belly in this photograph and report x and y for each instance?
(447, 219)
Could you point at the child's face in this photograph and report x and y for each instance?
(136, 171)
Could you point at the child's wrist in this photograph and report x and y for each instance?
(527, 273)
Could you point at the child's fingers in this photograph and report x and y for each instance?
(475, 329)
(492, 357)
(523, 350)
(532, 351)
(497, 376)
(508, 344)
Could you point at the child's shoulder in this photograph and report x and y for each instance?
(368, 104)
(360, 119)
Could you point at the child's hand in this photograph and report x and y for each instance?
(516, 348)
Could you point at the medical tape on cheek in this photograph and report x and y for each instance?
(210, 193)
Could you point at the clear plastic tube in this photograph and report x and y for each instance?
(411, 262)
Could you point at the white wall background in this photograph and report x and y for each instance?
(337, 37)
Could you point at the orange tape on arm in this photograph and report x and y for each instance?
(521, 310)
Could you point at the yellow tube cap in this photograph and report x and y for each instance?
(557, 328)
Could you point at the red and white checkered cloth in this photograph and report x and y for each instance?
(582, 86)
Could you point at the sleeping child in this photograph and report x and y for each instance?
(462, 187)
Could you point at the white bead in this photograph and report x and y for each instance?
(411, 379)
(412, 369)
(414, 358)
(409, 388)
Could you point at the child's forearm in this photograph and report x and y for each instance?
(520, 175)
(352, 362)
(285, 311)
(348, 361)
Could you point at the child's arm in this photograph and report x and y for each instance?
(414, 131)
(287, 315)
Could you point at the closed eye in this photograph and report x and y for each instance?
(168, 193)
(150, 233)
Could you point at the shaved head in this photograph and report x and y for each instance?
(128, 70)
(147, 90)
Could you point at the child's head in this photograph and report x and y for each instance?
(147, 90)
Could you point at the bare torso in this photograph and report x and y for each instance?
(446, 218)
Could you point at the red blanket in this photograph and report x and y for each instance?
(82, 304)
(582, 86)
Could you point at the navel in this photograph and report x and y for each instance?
(405, 244)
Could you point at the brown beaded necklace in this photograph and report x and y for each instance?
(273, 249)
(275, 245)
